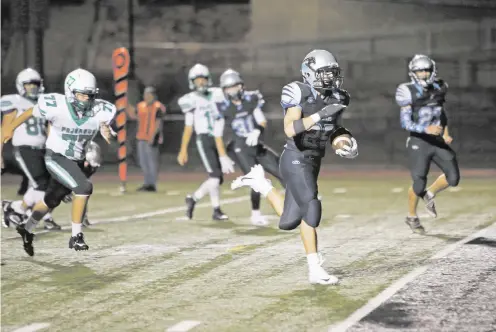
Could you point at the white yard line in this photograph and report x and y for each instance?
(149, 214)
(183, 326)
(33, 327)
(396, 286)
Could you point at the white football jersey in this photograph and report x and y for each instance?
(203, 108)
(33, 131)
(69, 132)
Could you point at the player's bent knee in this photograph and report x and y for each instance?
(51, 201)
(84, 189)
(217, 175)
(313, 213)
(453, 178)
(287, 224)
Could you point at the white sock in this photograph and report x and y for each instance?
(313, 259)
(214, 192)
(47, 216)
(17, 207)
(265, 187)
(31, 224)
(255, 213)
(430, 194)
(76, 228)
(202, 190)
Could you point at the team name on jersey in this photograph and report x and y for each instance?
(78, 131)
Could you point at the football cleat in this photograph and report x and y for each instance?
(190, 206)
(317, 274)
(415, 225)
(51, 225)
(255, 179)
(27, 239)
(259, 220)
(5, 208)
(430, 204)
(219, 215)
(77, 242)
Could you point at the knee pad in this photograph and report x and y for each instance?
(51, 200)
(313, 213)
(286, 223)
(419, 183)
(453, 178)
(85, 188)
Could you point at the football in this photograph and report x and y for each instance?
(340, 141)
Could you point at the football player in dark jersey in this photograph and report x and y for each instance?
(423, 115)
(312, 112)
(242, 111)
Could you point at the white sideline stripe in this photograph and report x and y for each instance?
(33, 327)
(148, 214)
(183, 326)
(382, 297)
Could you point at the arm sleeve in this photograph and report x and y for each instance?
(290, 96)
(219, 127)
(189, 119)
(404, 100)
(403, 96)
(407, 122)
(259, 116)
(260, 99)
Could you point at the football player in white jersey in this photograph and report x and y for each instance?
(202, 115)
(29, 147)
(74, 121)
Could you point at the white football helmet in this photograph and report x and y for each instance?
(81, 81)
(231, 78)
(320, 69)
(29, 75)
(422, 62)
(199, 70)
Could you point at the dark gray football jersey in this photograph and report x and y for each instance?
(312, 142)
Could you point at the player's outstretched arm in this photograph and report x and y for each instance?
(8, 132)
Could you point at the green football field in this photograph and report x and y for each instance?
(149, 269)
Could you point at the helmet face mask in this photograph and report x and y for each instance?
(200, 83)
(84, 101)
(32, 89)
(328, 78)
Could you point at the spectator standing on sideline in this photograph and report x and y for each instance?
(149, 136)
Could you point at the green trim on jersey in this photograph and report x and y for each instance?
(79, 121)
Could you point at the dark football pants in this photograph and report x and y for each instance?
(67, 176)
(300, 202)
(210, 157)
(420, 155)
